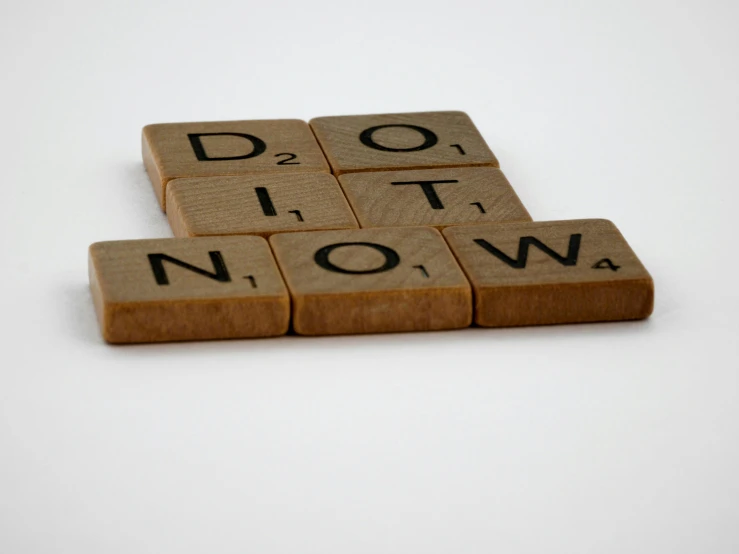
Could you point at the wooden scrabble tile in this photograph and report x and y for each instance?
(217, 148)
(436, 197)
(257, 204)
(401, 141)
(187, 289)
(372, 281)
(552, 272)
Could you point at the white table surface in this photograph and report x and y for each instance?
(611, 438)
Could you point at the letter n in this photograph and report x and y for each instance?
(157, 267)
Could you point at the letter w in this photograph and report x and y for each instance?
(523, 251)
(157, 267)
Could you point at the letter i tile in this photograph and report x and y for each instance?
(257, 205)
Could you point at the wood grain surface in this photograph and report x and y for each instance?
(435, 197)
(386, 142)
(178, 150)
(231, 289)
(372, 281)
(590, 273)
(257, 204)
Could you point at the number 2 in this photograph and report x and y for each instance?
(286, 161)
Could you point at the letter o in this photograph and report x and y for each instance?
(391, 258)
(429, 138)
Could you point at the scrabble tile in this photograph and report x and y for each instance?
(217, 148)
(436, 197)
(401, 141)
(372, 281)
(257, 204)
(187, 289)
(551, 272)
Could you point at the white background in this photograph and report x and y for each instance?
(611, 438)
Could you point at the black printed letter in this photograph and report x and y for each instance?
(391, 258)
(258, 146)
(523, 251)
(157, 267)
(268, 208)
(428, 189)
(429, 138)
